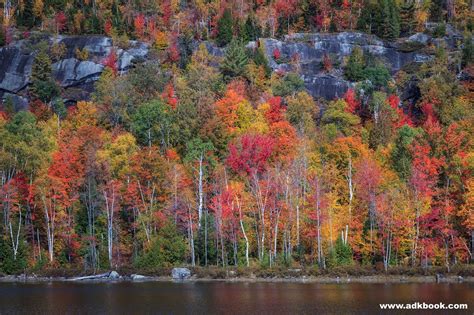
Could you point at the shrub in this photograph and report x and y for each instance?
(58, 51)
(167, 248)
(82, 54)
(440, 30)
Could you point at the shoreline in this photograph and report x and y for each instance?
(375, 279)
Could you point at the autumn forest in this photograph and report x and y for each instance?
(199, 159)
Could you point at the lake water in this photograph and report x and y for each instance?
(223, 297)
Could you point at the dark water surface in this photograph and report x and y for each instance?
(224, 298)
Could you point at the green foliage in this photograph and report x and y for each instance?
(354, 70)
(59, 108)
(390, 20)
(206, 255)
(401, 156)
(224, 29)
(468, 51)
(440, 30)
(196, 150)
(288, 85)
(9, 106)
(251, 30)
(41, 68)
(340, 255)
(45, 91)
(146, 81)
(235, 60)
(338, 120)
(153, 123)
(10, 264)
(2, 36)
(168, 248)
(378, 75)
(22, 144)
(26, 18)
(302, 112)
(436, 11)
(438, 84)
(259, 58)
(381, 131)
(369, 18)
(43, 87)
(407, 17)
(360, 68)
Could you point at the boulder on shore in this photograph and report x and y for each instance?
(137, 277)
(180, 273)
(114, 275)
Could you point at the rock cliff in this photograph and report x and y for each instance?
(76, 77)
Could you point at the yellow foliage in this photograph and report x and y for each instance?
(161, 40)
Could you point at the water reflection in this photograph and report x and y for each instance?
(221, 297)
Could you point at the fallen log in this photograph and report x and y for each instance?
(107, 275)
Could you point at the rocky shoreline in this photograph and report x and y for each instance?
(114, 277)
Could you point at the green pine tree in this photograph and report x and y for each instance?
(43, 87)
(468, 51)
(407, 17)
(354, 70)
(41, 68)
(2, 36)
(389, 20)
(224, 29)
(10, 264)
(235, 60)
(367, 22)
(251, 30)
(394, 19)
(436, 11)
(26, 17)
(343, 253)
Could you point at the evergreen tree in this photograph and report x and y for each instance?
(41, 68)
(43, 87)
(343, 253)
(354, 70)
(289, 85)
(401, 156)
(224, 29)
(407, 17)
(468, 51)
(436, 11)
(168, 248)
(10, 264)
(235, 60)
(26, 17)
(2, 36)
(251, 30)
(389, 20)
(369, 18)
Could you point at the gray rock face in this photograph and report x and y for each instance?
(77, 77)
(421, 38)
(180, 273)
(15, 69)
(16, 61)
(311, 48)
